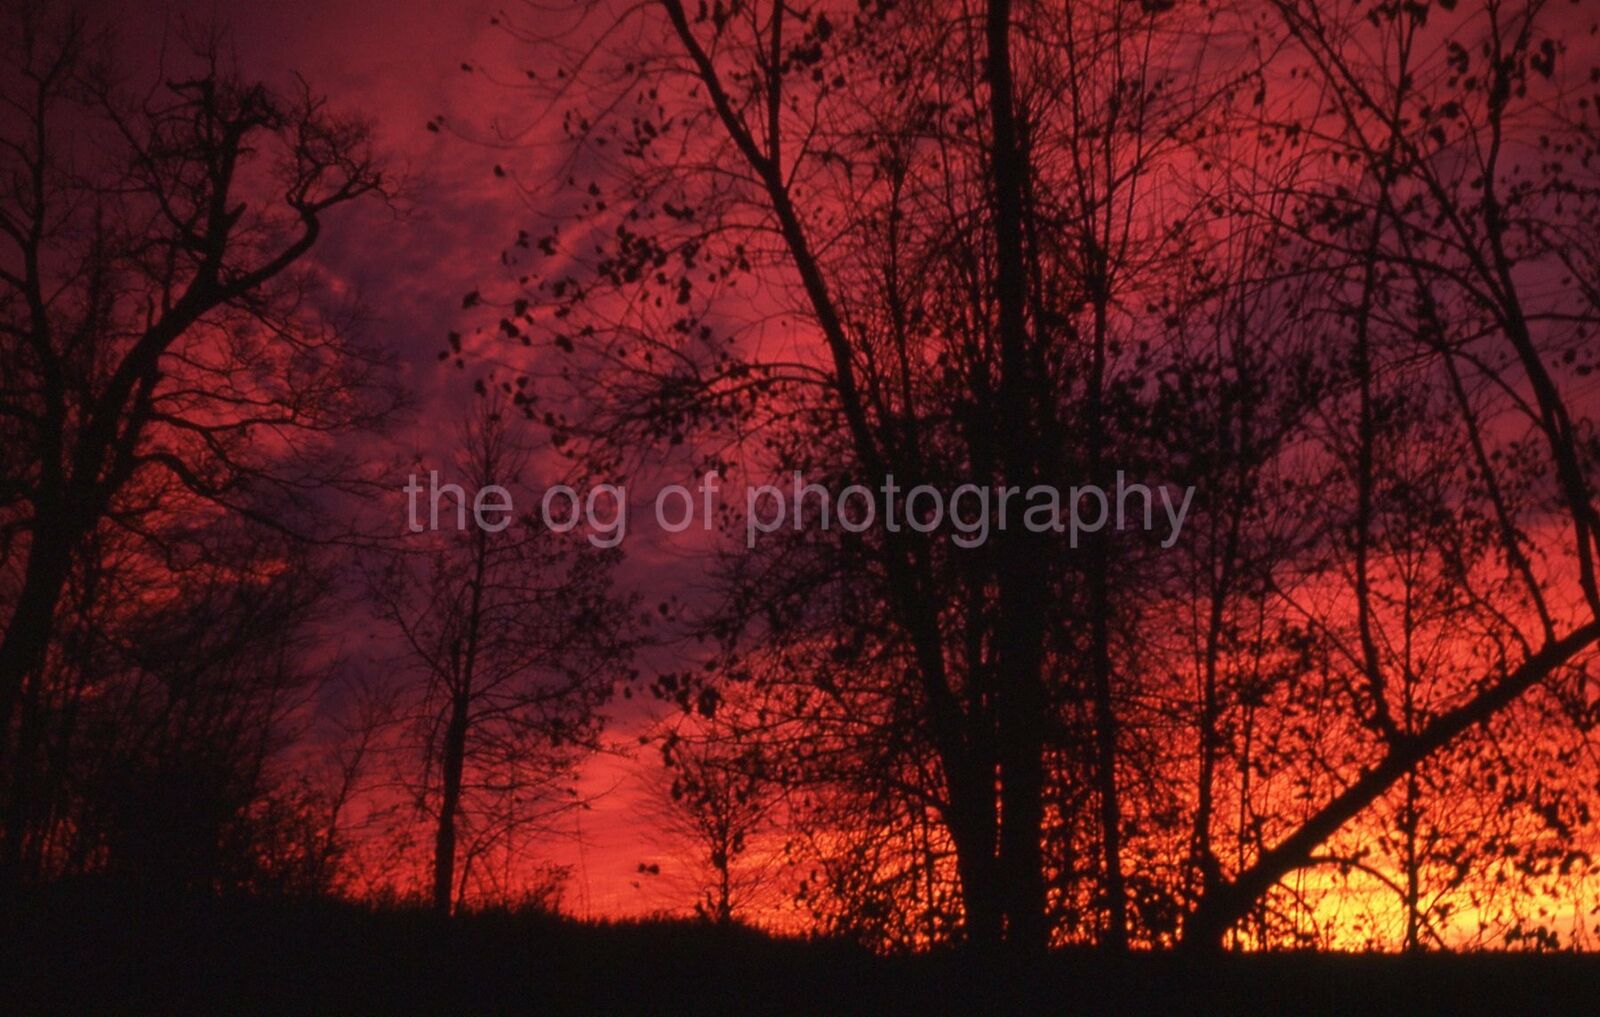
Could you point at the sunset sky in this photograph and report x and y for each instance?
(404, 63)
(1334, 270)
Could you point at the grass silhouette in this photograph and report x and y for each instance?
(83, 949)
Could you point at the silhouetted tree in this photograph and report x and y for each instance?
(959, 237)
(715, 803)
(166, 722)
(163, 346)
(518, 640)
(1455, 580)
(1326, 265)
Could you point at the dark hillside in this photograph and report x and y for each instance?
(97, 953)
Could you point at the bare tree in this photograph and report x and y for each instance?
(157, 319)
(518, 640)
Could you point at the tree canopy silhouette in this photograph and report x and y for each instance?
(1323, 264)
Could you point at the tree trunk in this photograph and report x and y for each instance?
(1116, 931)
(444, 844)
(23, 651)
(27, 635)
(972, 826)
(1022, 818)
(1021, 708)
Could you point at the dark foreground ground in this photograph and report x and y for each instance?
(81, 953)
